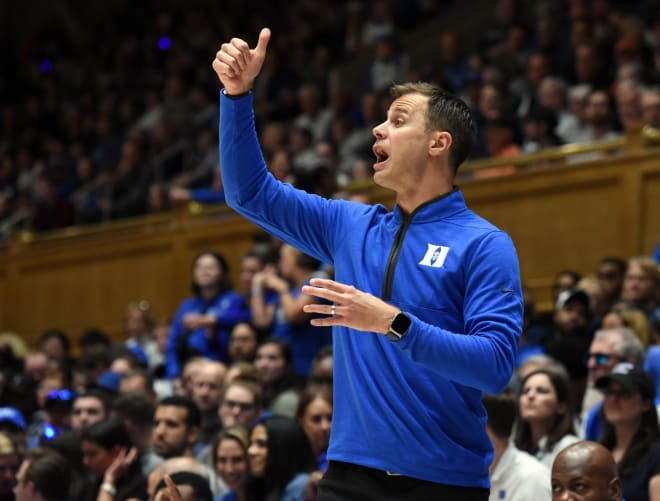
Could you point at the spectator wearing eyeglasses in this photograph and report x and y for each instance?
(630, 430)
(242, 403)
(609, 347)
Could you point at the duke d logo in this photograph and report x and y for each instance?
(435, 256)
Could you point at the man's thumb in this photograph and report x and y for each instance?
(264, 38)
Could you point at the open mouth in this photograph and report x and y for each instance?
(381, 155)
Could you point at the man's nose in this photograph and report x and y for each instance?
(378, 131)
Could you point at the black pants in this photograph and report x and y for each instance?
(346, 481)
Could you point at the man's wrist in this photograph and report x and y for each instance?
(236, 93)
(109, 487)
(399, 326)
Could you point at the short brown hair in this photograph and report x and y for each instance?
(445, 112)
(49, 472)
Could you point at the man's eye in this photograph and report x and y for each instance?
(579, 487)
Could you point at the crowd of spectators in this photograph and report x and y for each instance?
(236, 388)
(126, 123)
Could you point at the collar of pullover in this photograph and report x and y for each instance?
(436, 209)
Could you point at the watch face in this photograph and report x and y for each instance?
(400, 324)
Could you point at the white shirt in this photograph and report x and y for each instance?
(518, 476)
(548, 457)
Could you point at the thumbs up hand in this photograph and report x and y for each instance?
(237, 65)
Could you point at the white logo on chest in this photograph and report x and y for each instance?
(435, 256)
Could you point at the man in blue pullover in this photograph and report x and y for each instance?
(426, 305)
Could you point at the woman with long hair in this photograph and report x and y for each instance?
(314, 414)
(230, 461)
(281, 460)
(631, 431)
(545, 419)
(112, 461)
(203, 322)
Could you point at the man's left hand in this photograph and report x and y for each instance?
(352, 308)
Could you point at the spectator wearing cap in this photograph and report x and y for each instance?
(608, 348)
(13, 424)
(631, 431)
(652, 367)
(569, 340)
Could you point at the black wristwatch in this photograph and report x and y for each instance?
(399, 326)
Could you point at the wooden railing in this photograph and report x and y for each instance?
(560, 214)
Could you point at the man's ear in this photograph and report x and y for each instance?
(440, 143)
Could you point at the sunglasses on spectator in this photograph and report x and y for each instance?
(600, 358)
(243, 407)
(61, 395)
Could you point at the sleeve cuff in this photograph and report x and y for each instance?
(236, 96)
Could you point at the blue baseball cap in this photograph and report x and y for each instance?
(109, 381)
(13, 416)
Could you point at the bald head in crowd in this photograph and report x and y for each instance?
(585, 471)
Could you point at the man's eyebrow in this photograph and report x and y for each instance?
(400, 109)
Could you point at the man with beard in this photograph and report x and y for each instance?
(176, 427)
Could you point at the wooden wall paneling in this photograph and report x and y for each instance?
(554, 221)
(649, 219)
(89, 288)
(566, 217)
(4, 296)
